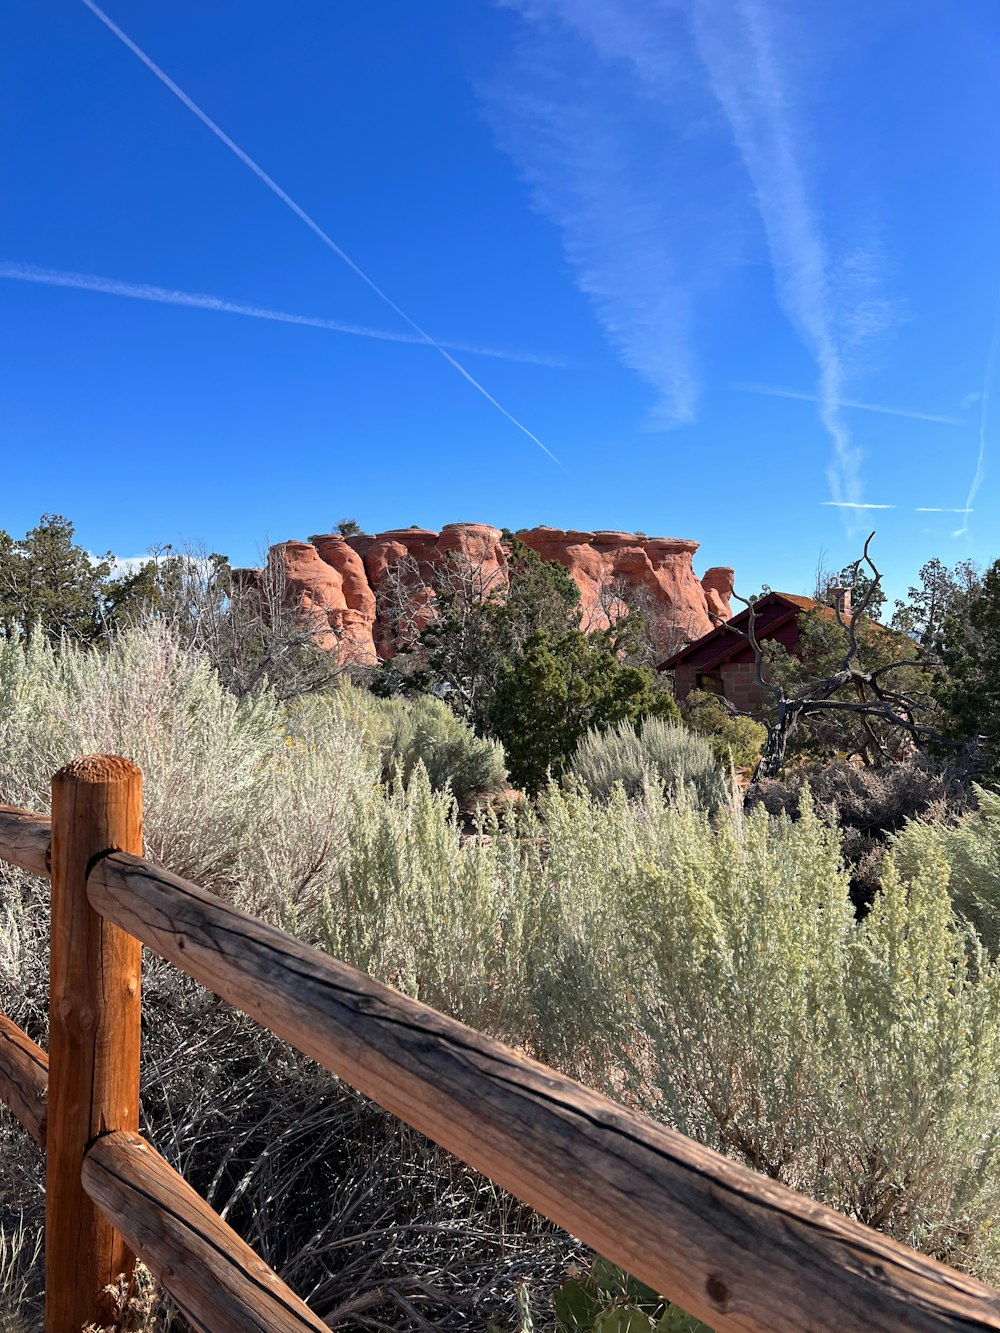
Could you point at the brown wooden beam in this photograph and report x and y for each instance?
(732, 1247)
(24, 1078)
(94, 1023)
(214, 1276)
(24, 840)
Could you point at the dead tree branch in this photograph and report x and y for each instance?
(877, 699)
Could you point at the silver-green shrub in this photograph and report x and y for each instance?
(277, 807)
(204, 756)
(660, 752)
(400, 733)
(424, 730)
(971, 848)
(858, 1062)
(707, 968)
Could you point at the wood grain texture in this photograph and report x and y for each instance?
(24, 1078)
(734, 1248)
(24, 840)
(210, 1272)
(94, 1023)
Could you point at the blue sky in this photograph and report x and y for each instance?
(695, 238)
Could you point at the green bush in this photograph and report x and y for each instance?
(736, 740)
(608, 1300)
(661, 753)
(556, 690)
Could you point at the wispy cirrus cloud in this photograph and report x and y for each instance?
(144, 291)
(587, 109)
(623, 116)
(918, 509)
(989, 375)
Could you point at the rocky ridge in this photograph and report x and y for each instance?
(348, 586)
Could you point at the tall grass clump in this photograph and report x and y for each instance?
(660, 752)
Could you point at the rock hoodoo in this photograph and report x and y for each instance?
(327, 581)
(349, 586)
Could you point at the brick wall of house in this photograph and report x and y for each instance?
(740, 685)
(735, 675)
(684, 680)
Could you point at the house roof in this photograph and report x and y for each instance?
(771, 611)
(806, 603)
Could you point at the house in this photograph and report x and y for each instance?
(722, 660)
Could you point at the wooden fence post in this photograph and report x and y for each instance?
(94, 1013)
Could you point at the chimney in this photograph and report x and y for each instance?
(840, 597)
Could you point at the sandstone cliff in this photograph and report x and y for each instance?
(350, 587)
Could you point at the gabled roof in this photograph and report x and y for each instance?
(771, 611)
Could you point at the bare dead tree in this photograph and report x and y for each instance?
(878, 698)
(403, 605)
(253, 628)
(435, 626)
(409, 596)
(641, 620)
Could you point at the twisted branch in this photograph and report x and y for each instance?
(905, 710)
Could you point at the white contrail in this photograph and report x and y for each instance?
(736, 47)
(854, 504)
(303, 216)
(773, 391)
(144, 291)
(984, 410)
(939, 509)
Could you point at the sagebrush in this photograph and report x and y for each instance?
(706, 967)
(659, 752)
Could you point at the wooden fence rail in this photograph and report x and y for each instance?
(734, 1248)
(24, 1079)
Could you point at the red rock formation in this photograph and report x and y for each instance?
(481, 546)
(718, 585)
(661, 566)
(327, 581)
(348, 583)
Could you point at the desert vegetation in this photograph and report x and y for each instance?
(806, 980)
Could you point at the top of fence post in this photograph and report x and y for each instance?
(94, 1024)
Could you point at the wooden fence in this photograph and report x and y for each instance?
(734, 1248)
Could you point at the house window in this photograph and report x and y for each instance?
(709, 681)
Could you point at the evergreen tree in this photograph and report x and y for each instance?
(48, 580)
(559, 688)
(970, 651)
(482, 620)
